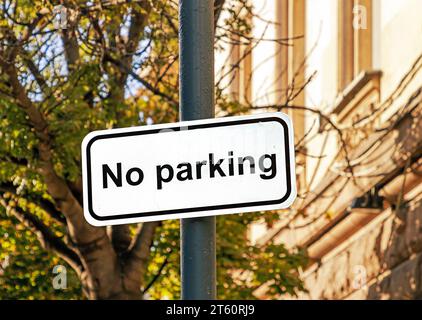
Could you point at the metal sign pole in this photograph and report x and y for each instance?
(196, 36)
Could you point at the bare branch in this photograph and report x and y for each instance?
(158, 274)
(145, 83)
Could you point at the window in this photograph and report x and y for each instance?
(241, 61)
(290, 66)
(354, 40)
(282, 51)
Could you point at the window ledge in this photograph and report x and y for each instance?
(357, 91)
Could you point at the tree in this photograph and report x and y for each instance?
(69, 69)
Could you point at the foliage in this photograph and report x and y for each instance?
(26, 270)
(241, 266)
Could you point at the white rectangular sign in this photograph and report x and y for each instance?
(188, 169)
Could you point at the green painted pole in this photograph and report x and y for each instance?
(196, 36)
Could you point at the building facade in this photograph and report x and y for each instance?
(349, 73)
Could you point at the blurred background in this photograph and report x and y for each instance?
(348, 72)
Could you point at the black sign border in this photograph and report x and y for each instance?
(195, 209)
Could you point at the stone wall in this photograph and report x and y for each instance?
(382, 261)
